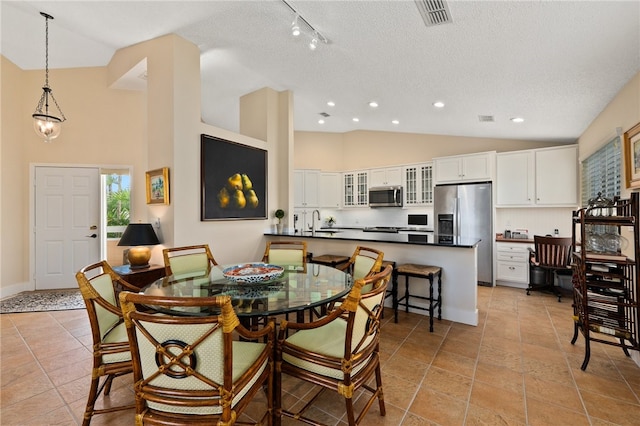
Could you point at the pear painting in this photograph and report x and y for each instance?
(238, 193)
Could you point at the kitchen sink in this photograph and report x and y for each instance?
(327, 231)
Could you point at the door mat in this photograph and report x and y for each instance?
(42, 300)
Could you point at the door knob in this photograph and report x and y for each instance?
(92, 236)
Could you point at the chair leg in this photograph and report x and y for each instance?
(383, 410)
(91, 401)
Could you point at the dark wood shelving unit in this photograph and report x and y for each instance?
(606, 284)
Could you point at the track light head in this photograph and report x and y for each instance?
(295, 28)
(314, 42)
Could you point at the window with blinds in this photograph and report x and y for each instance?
(601, 172)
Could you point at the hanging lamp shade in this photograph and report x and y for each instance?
(47, 122)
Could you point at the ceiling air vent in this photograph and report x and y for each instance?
(434, 12)
(324, 114)
(486, 118)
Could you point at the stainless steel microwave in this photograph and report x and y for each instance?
(385, 196)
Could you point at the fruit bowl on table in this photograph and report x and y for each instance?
(249, 273)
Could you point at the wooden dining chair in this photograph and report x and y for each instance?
(286, 253)
(202, 369)
(363, 262)
(338, 352)
(99, 286)
(186, 259)
(551, 255)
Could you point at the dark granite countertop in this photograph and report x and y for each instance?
(404, 237)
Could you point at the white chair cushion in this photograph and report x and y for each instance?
(188, 263)
(286, 257)
(326, 340)
(104, 286)
(362, 266)
(117, 335)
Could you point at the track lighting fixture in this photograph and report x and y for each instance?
(299, 22)
(47, 125)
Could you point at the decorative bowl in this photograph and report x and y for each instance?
(252, 272)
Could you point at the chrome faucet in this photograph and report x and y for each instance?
(313, 220)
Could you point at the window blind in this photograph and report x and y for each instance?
(601, 172)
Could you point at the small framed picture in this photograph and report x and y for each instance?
(158, 186)
(632, 156)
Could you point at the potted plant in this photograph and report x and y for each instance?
(279, 215)
(330, 221)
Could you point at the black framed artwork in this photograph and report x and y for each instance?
(233, 179)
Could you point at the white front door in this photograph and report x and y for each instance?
(67, 224)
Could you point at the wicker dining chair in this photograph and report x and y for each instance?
(181, 260)
(338, 352)
(203, 369)
(99, 286)
(286, 253)
(363, 262)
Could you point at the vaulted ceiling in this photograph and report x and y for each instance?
(557, 64)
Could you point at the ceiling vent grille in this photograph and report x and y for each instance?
(434, 12)
(324, 114)
(486, 118)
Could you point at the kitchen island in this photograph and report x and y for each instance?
(457, 257)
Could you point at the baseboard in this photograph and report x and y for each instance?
(14, 289)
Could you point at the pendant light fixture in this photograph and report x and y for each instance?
(46, 124)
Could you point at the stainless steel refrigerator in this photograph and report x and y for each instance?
(466, 211)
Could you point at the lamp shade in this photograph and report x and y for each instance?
(139, 235)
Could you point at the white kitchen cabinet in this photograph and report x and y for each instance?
(306, 184)
(512, 264)
(385, 177)
(557, 176)
(418, 184)
(538, 177)
(459, 168)
(515, 178)
(355, 188)
(330, 190)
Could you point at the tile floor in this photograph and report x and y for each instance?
(516, 368)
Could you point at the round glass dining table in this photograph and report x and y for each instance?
(298, 288)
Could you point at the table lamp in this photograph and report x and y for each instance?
(139, 235)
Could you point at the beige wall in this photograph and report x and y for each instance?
(363, 149)
(160, 127)
(105, 127)
(623, 112)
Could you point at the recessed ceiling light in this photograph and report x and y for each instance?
(395, 122)
(331, 103)
(517, 119)
(373, 104)
(356, 119)
(321, 121)
(438, 104)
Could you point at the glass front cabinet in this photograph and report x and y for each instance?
(418, 184)
(356, 189)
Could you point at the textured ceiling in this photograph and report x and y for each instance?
(557, 64)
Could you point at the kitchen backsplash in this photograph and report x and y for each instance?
(537, 221)
(383, 216)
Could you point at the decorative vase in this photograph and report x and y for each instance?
(279, 228)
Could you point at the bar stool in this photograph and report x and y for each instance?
(330, 259)
(393, 290)
(419, 271)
